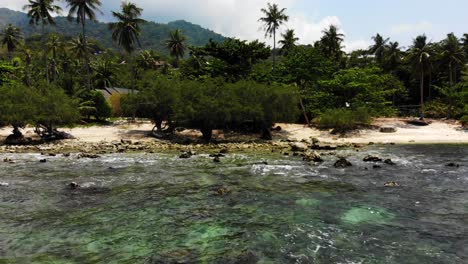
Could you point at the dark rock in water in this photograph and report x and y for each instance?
(217, 160)
(312, 156)
(389, 162)
(88, 156)
(324, 147)
(387, 129)
(73, 185)
(66, 154)
(377, 167)
(298, 147)
(454, 165)
(219, 155)
(342, 163)
(185, 155)
(371, 158)
(8, 160)
(392, 184)
(286, 154)
(51, 154)
(43, 161)
(220, 190)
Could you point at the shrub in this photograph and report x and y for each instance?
(342, 120)
(464, 120)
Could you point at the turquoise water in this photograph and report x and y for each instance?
(157, 208)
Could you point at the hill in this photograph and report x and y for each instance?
(153, 34)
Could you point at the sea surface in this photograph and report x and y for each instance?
(157, 208)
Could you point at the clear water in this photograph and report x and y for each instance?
(156, 208)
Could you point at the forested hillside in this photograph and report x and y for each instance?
(153, 34)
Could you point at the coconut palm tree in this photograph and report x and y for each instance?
(104, 76)
(273, 18)
(331, 42)
(289, 41)
(393, 56)
(379, 47)
(419, 57)
(453, 55)
(54, 46)
(465, 44)
(84, 9)
(40, 12)
(126, 30)
(11, 38)
(79, 48)
(176, 45)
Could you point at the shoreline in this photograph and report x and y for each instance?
(123, 137)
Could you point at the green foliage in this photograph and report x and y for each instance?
(6, 73)
(232, 59)
(43, 104)
(18, 105)
(157, 101)
(367, 87)
(54, 107)
(342, 120)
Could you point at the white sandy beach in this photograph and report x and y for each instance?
(437, 132)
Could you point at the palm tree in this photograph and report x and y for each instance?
(84, 9)
(393, 56)
(465, 44)
(104, 76)
(379, 47)
(452, 54)
(289, 41)
(54, 45)
(176, 45)
(331, 42)
(419, 56)
(273, 19)
(40, 11)
(11, 38)
(79, 48)
(126, 30)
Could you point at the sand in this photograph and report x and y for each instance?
(437, 132)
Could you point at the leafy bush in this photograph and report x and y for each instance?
(342, 120)
(464, 120)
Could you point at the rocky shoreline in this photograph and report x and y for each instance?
(285, 147)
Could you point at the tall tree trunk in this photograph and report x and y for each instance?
(133, 72)
(450, 74)
(45, 51)
(274, 48)
(422, 93)
(83, 30)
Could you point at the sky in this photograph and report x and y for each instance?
(359, 20)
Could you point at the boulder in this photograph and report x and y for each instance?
(371, 158)
(392, 184)
(185, 155)
(388, 129)
(298, 146)
(389, 162)
(4, 184)
(342, 163)
(454, 165)
(217, 160)
(312, 156)
(43, 161)
(73, 185)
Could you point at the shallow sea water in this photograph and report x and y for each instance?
(157, 208)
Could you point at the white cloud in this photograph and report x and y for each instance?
(351, 45)
(420, 27)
